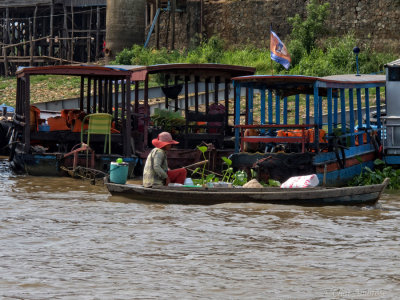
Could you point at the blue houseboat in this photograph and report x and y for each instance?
(297, 125)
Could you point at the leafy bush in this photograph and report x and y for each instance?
(382, 171)
(309, 30)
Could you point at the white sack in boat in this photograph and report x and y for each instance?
(301, 182)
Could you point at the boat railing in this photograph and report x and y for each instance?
(303, 138)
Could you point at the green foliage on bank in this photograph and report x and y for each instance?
(378, 175)
(312, 53)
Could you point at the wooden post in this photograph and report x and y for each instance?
(27, 129)
(110, 97)
(146, 109)
(216, 87)
(196, 93)
(89, 58)
(89, 89)
(65, 35)
(207, 94)
(31, 44)
(98, 32)
(51, 52)
(128, 127)
(34, 30)
(100, 95)
(95, 95)
(72, 32)
(227, 81)
(6, 41)
(158, 26)
(82, 93)
(173, 24)
(116, 92)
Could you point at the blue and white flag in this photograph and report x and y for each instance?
(279, 52)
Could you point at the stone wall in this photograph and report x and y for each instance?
(374, 22)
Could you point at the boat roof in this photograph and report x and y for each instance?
(139, 73)
(298, 84)
(201, 70)
(394, 64)
(74, 70)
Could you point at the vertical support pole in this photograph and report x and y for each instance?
(166, 86)
(246, 116)
(330, 127)
(34, 33)
(359, 116)
(262, 106)
(116, 96)
(316, 116)
(65, 33)
(89, 90)
(128, 127)
(320, 102)
(196, 94)
(378, 109)
(297, 109)
(216, 88)
(351, 109)
(186, 96)
(307, 109)
(27, 131)
(137, 86)
(285, 110)
(237, 115)
(367, 113)
(251, 106)
(72, 32)
(105, 98)
(89, 52)
(157, 31)
(277, 109)
(226, 103)
(98, 42)
(176, 99)
(146, 109)
(82, 93)
(95, 81)
(270, 108)
(6, 41)
(343, 110)
(110, 96)
(101, 80)
(51, 44)
(123, 102)
(31, 44)
(335, 111)
(207, 94)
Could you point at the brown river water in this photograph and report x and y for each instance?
(63, 238)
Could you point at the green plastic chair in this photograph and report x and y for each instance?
(99, 123)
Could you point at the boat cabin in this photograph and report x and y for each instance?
(325, 125)
(44, 141)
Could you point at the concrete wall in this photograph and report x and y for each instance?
(375, 22)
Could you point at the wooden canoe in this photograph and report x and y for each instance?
(319, 196)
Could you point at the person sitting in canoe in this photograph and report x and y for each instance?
(156, 170)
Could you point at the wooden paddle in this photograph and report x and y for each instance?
(195, 165)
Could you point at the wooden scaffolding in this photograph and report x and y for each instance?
(43, 32)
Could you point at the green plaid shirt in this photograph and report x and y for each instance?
(156, 168)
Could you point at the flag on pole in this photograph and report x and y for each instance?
(279, 52)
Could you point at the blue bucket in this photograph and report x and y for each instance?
(119, 172)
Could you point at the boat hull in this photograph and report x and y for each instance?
(363, 195)
(51, 164)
